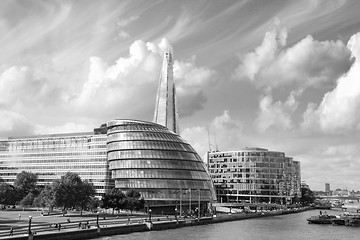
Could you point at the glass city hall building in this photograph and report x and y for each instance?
(254, 175)
(150, 157)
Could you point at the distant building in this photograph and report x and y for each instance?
(327, 188)
(254, 175)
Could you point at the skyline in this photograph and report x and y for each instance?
(279, 75)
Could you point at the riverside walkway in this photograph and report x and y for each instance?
(108, 224)
(43, 224)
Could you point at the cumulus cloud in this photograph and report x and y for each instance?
(308, 63)
(14, 124)
(190, 81)
(222, 132)
(134, 80)
(125, 89)
(276, 114)
(19, 86)
(340, 108)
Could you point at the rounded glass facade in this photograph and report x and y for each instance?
(158, 163)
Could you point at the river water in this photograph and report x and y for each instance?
(291, 226)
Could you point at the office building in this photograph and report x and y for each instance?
(51, 156)
(254, 175)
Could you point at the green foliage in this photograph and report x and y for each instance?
(85, 195)
(133, 201)
(45, 198)
(25, 182)
(94, 203)
(7, 194)
(307, 196)
(27, 200)
(70, 191)
(114, 199)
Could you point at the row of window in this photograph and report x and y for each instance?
(69, 166)
(159, 164)
(152, 154)
(149, 145)
(142, 136)
(154, 173)
(12, 162)
(284, 160)
(161, 183)
(136, 128)
(53, 154)
(36, 148)
(246, 153)
(175, 194)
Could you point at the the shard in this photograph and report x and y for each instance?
(165, 107)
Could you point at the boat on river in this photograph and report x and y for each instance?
(321, 219)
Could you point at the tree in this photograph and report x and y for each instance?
(25, 182)
(27, 200)
(86, 192)
(113, 199)
(7, 194)
(134, 201)
(45, 198)
(94, 203)
(307, 196)
(70, 191)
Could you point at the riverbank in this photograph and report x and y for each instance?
(137, 224)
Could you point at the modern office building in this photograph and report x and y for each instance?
(126, 154)
(158, 163)
(51, 156)
(254, 175)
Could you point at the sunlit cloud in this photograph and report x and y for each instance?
(339, 109)
(309, 63)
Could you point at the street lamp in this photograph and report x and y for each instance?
(176, 213)
(150, 215)
(29, 230)
(97, 219)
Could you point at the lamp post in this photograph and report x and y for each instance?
(97, 219)
(29, 230)
(150, 215)
(176, 213)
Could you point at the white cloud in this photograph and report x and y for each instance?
(340, 108)
(20, 86)
(190, 78)
(223, 133)
(276, 114)
(68, 127)
(309, 63)
(126, 89)
(190, 81)
(14, 124)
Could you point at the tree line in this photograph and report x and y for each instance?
(68, 192)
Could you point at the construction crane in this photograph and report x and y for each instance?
(212, 147)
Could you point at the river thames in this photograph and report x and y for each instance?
(291, 226)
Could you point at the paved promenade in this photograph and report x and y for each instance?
(41, 224)
(74, 226)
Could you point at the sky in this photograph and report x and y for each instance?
(281, 75)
